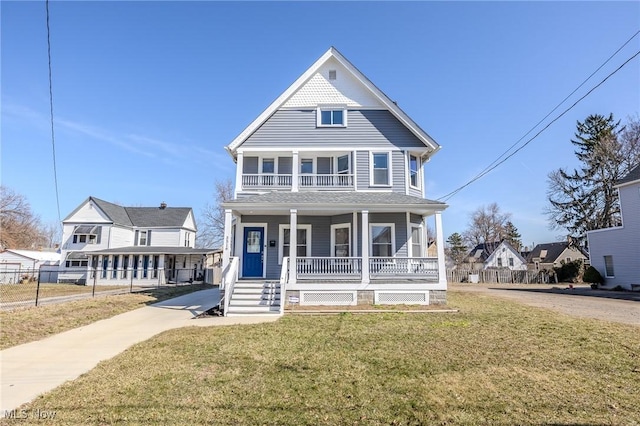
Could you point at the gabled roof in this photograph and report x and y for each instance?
(508, 246)
(481, 252)
(145, 217)
(52, 256)
(551, 251)
(333, 53)
(632, 176)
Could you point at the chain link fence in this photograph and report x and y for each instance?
(35, 287)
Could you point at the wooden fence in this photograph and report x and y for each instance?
(499, 276)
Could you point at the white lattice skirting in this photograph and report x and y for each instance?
(328, 298)
(401, 297)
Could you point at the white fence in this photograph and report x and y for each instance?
(498, 276)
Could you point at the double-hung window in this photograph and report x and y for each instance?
(380, 169)
(303, 241)
(382, 240)
(608, 267)
(341, 240)
(332, 117)
(414, 171)
(416, 241)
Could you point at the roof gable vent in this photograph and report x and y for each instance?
(332, 74)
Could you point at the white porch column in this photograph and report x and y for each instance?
(237, 246)
(161, 278)
(354, 235)
(239, 167)
(226, 247)
(365, 246)
(295, 169)
(442, 268)
(293, 247)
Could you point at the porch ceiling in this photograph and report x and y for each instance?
(331, 203)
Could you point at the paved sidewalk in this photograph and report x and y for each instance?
(34, 368)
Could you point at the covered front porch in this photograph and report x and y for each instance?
(344, 242)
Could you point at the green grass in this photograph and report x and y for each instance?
(495, 362)
(24, 292)
(34, 323)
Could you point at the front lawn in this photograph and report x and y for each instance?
(495, 363)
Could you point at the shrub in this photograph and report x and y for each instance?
(591, 275)
(569, 271)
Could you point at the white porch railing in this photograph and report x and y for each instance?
(404, 267)
(336, 268)
(308, 181)
(326, 181)
(329, 267)
(228, 281)
(266, 181)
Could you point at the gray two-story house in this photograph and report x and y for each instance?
(336, 160)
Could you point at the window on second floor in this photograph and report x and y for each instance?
(187, 239)
(499, 262)
(414, 171)
(331, 117)
(142, 238)
(380, 169)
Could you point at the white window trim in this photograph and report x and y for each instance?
(333, 238)
(606, 272)
(419, 171)
(393, 237)
(281, 229)
(420, 228)
(260, 165)
(389, 170)
(331, 108)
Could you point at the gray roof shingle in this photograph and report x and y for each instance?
(332, 197)
(633, 175)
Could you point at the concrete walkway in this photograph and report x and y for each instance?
(34, 368)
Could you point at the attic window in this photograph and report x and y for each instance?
(331, 117)
(543, 254)
(332, 74)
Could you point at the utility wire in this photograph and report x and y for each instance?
(496, 163)
(560, 103)
(53, 138)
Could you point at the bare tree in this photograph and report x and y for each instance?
(211, 229)
(52, 234)
(488, 224)
(20, 228)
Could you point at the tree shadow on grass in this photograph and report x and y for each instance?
(633, 296)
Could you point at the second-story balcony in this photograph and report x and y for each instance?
(305, 181)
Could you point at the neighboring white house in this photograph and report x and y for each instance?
(495, 255)
(338, 161)
(119, 245)
(615, 252)
(14, 264)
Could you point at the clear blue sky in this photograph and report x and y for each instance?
(147, 94)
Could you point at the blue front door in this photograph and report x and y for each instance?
(253, 252)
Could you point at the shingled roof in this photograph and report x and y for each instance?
(632, 176)
(146, 217)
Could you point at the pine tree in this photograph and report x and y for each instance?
(456, 248)
(586, 199)
(512, 236)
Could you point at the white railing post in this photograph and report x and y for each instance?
(239, 178)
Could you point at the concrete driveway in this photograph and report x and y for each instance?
(579, 301)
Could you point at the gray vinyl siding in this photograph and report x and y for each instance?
(250, 165)
(285, 165)
(397, 163)
(324, 165)
(366, 128)
(400, 221)
(415, 218)
(622, 243)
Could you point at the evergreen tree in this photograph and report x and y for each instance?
(585, 199)
(512, 236)
(456, 249)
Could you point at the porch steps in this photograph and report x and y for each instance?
(255, 298)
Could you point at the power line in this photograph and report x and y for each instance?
(497, 161)
(53, 138)
(496, 164)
